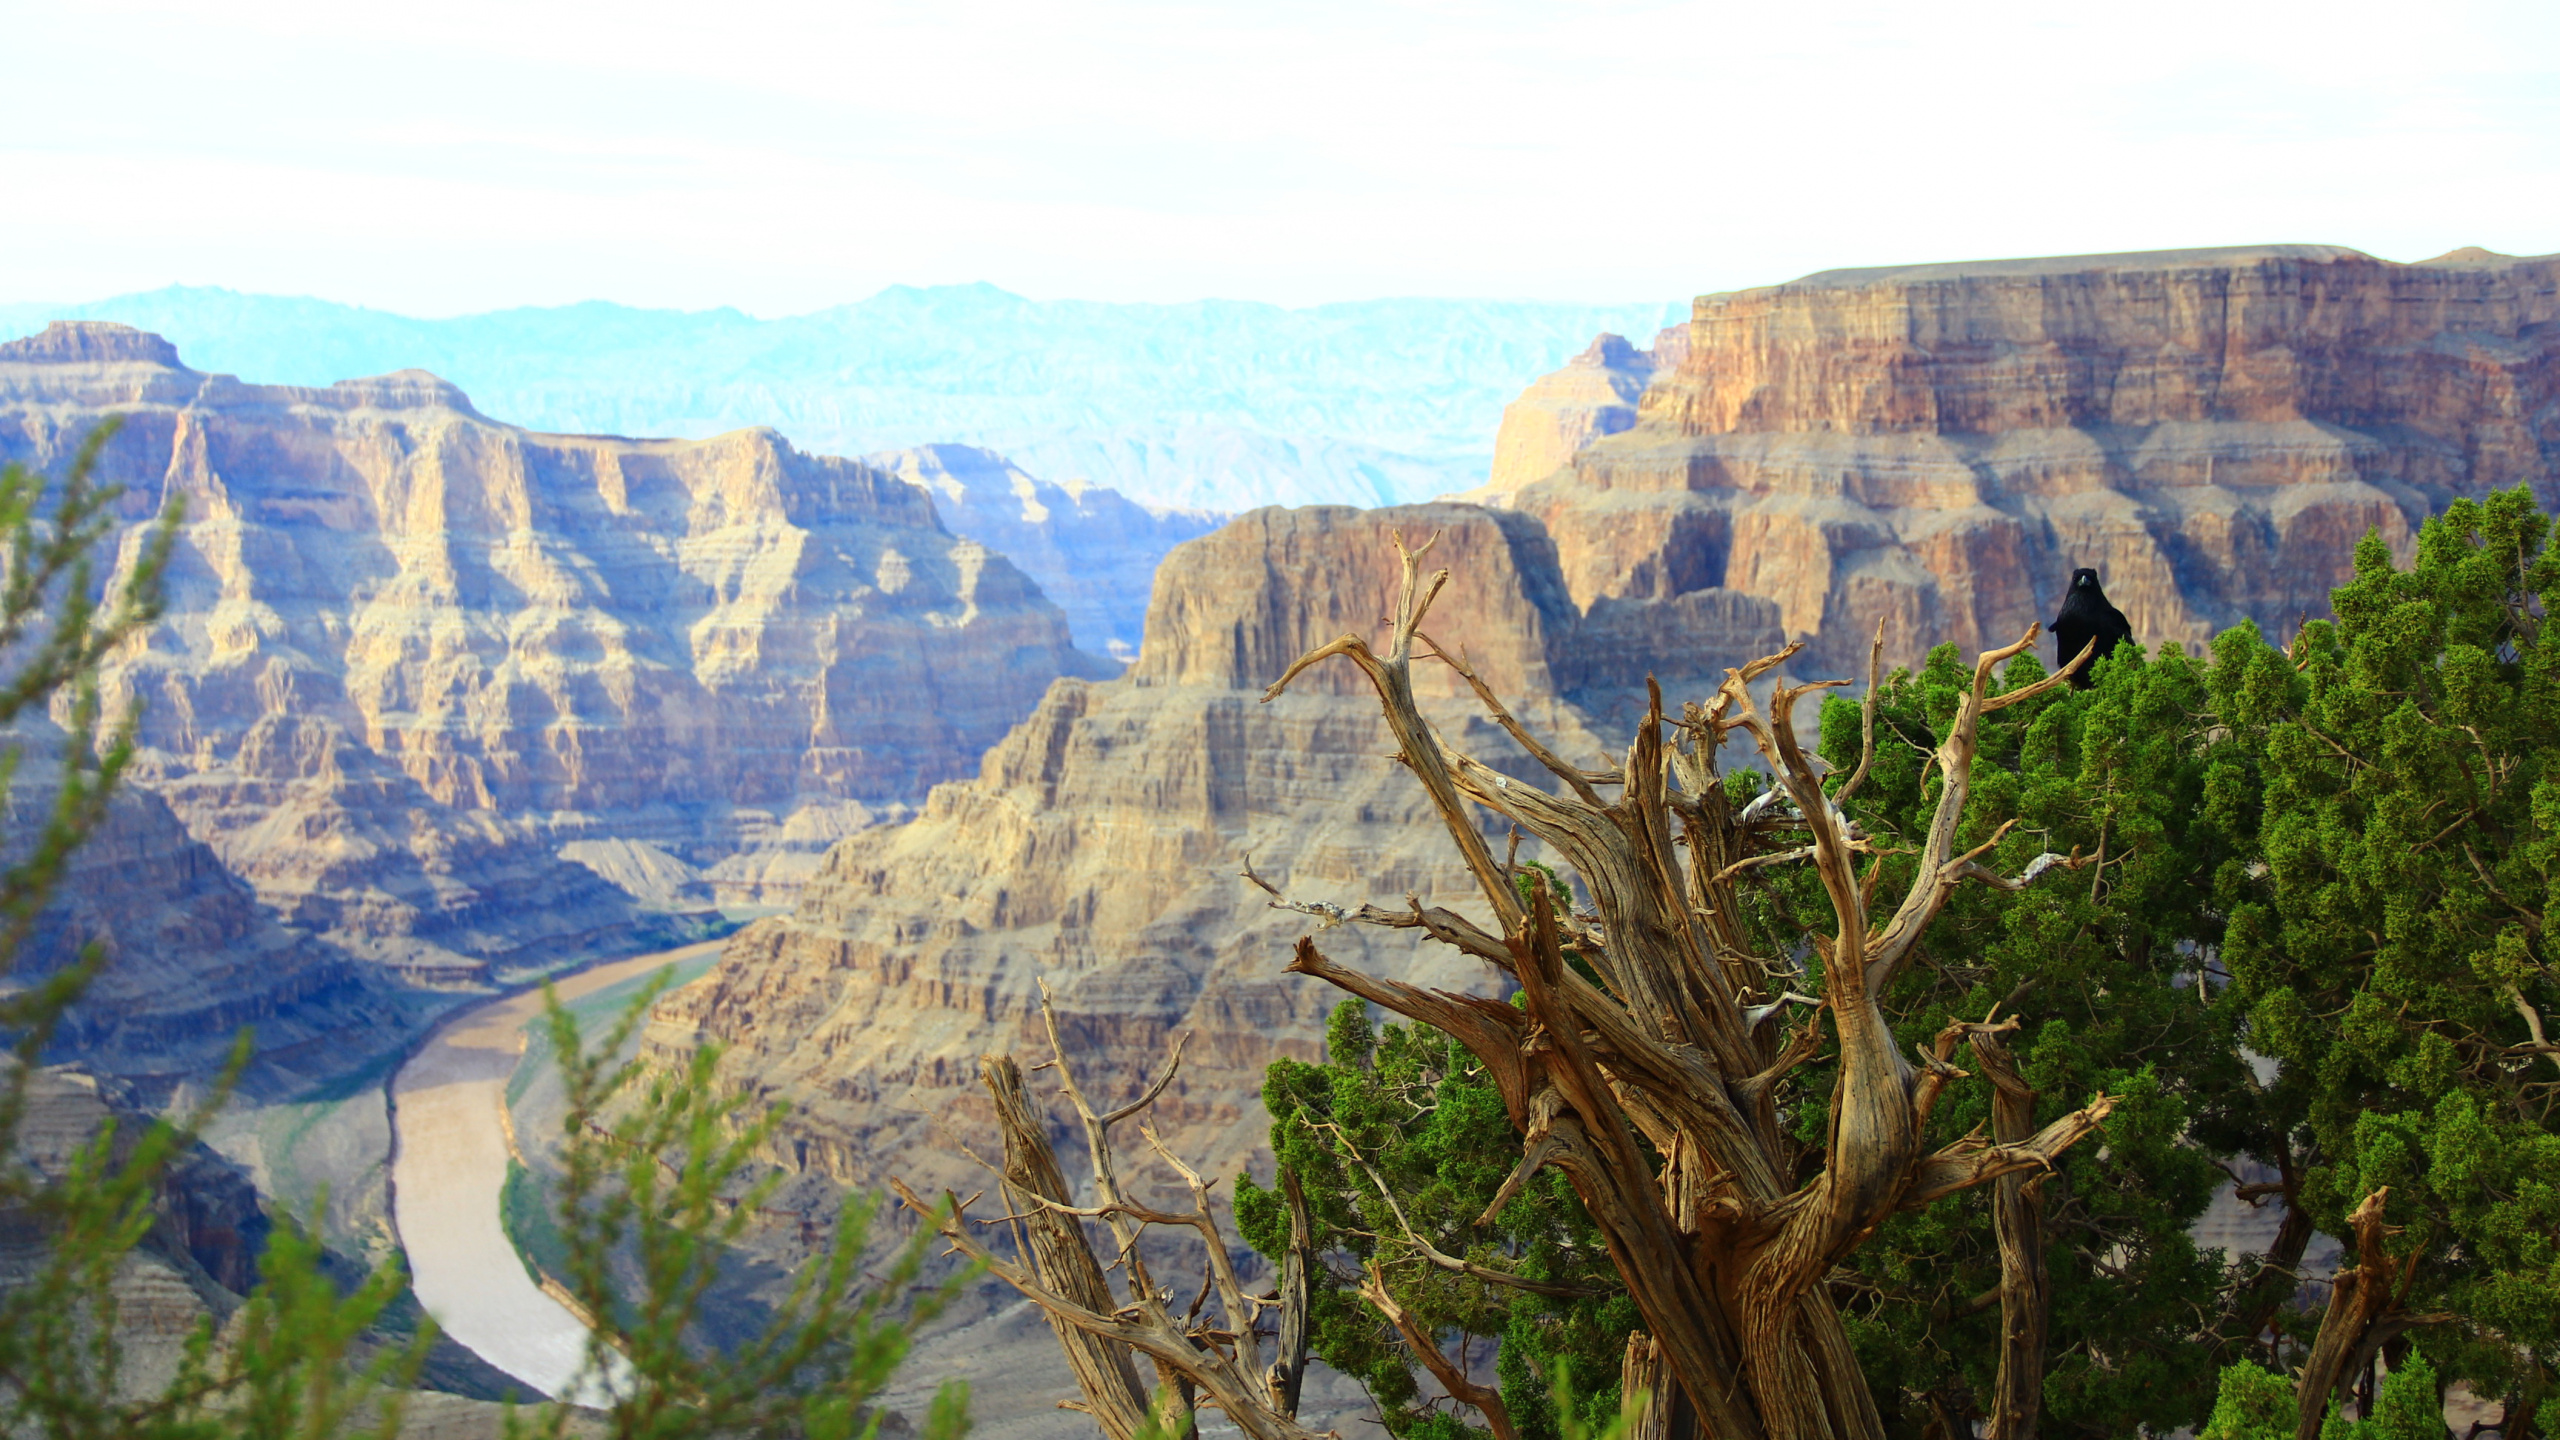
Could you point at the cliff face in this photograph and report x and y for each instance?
(411, 652)
(1595, 394)
(191, 957)
(1092, 549)
(1100, 844)
(1939, 446)
(189, 1268)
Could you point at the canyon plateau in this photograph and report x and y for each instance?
(440, 698)
(1937, 447)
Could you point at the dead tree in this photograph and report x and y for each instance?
(2368, 1308)
(1196, 1362)
(1656, 1087)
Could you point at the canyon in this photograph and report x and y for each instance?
(1937, 447)
(411, 655)
(1932, 449)
(441, 701)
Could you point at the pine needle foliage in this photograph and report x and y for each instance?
(656, 1163)
(1398, 1141)
(288, 1364)
(2398, 773)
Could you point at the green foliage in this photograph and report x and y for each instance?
(2106, 967)
(290, 1365)
(2255, 1405)
(654, 1164)
(1573, 1419)
(2251, 1405)
(56, 630)
(1402, 1112)
(2407, 1409)
(2399, 772)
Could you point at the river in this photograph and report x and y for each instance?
(450, 1164)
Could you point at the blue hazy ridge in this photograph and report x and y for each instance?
(1217, 404)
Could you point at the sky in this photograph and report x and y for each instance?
(783, 157)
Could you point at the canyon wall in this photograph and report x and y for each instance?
(1100, 845)
(191, 957)
(1595, 394)
(1939, 446)
(412, 652)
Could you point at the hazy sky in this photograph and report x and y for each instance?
(459, 155)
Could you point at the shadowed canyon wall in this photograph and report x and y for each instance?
(1093, 550)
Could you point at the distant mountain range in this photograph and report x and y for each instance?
(1215, 404)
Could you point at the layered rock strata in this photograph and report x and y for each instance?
(411, 652)
(1099, 849)
(1938, 447)
(1092, 549)
(190, 957)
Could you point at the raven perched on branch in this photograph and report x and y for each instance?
(2086, 616)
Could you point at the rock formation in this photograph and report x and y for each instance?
(1092, 549)
(1938, 446)
(191, 957)
(411, 651)
(1595, 394)
(1100, 844)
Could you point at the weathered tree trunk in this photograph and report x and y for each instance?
(1663, 1415)
(2017, 1212)
(1289, 1372)
(1056, 1245)
(1679, 1049)
(2364, 1312)
(1212, 1364)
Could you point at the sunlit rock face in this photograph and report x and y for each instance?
(1595, 394)
(1100, 844)
(411, 652)
(1937, 447)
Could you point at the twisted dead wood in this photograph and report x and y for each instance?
(1056, 1269)
(1675, 1052)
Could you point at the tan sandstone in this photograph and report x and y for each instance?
(1100, 844)
(411, 651)
(1939, 446)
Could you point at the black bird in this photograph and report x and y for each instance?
(2086, 616)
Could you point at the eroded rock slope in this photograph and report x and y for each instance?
(1092, 549)
(413, 652)
(1939, 446)
(1099, 847)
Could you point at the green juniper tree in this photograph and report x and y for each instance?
(1397, 1146)
(2397, 772)
(656, 1165)
(289, 1364)
(2113, 975)
(2300, 942)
